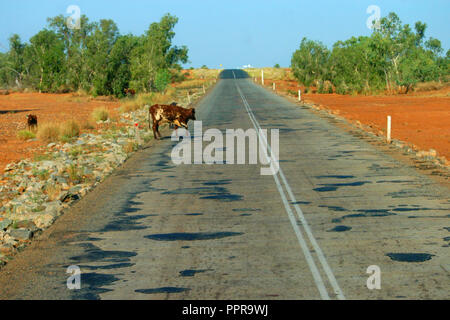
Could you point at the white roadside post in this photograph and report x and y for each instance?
(262, 77)
(273, 86)
(388, 134)
(299, 95)
(204, 89)
(189, 97)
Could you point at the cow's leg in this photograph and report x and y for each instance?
(155, 130)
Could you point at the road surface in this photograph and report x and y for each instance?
(155, 230)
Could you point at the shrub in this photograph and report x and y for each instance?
(49, 132)
(76, 151)
(130, 147)
(429, 86)
(162, 79)
(87, 125)
(25, 135)
(74, 173)
(41, 157)
(291, 92)
(70, 129)
(100, 114)
(53, 191)
(190, 84)
(129, 106)
(42, 174)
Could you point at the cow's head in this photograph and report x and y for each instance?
(192, 115)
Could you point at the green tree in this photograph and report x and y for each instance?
(99, 45)
(162, 79)
(119, 71)
(310, 62)
(13, 67)
(45, 61)
(394, 57)
(75, 47)
(155, 52)
(352, 66)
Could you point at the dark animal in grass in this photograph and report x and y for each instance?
(176, 115)
(32, 122)
(130, 92)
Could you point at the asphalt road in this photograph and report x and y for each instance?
(156, 230)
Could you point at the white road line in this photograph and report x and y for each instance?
(316, 275)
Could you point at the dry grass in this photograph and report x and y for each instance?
(429, 86)
(88, 124)
(130, 147)
(100, 114)
(129, 106)
(75, 175)
(49, 132)
(190, 84)
(70, 129)
(143, 99)
(166, 98)
(207, 74)
(271, 73)
(53, 191)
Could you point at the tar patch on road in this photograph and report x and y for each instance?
(95, 254)
(410, 257)
(162, 290)
(185, 236)
(108, 267)
(340, 229)
(335, 186)
(92, 284)
(191, 272)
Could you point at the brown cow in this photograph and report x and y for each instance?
(32, 121)
(173, 114)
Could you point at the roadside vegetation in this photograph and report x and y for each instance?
(271, 73)
(394, 59)
(100, 114)
(94, 59)
(26, 134)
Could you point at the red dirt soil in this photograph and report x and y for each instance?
(420, 118)
(48, 108)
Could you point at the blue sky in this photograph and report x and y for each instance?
(230, 32)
